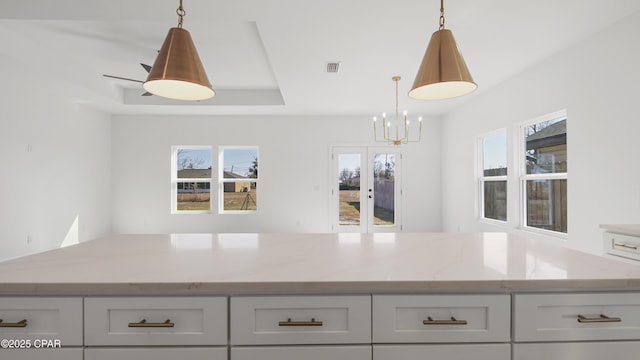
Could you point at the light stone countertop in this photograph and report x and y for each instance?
(312, 263)
(624, 229)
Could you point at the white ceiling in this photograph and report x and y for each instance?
(269, 56)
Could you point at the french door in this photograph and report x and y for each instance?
(366, 189)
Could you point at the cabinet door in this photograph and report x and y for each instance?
(362, 352)
(576, 317)
(441, 318)
(41, 354)
(258, 320)
(155, 354)
(623, 350)
(443, 352)
(38, 318)
(155, 321)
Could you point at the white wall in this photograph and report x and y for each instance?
(597, 82)
(294, 170)
(55, 162)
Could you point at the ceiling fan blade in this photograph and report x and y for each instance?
(123, 78)
(146, 67)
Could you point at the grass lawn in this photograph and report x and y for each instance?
(232, 201)
(197, 201)
(350, 210)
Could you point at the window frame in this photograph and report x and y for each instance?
(175, 180)
(482, 179)
(524, 177)
(222, 180)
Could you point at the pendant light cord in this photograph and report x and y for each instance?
(181, 13)
(441, 15)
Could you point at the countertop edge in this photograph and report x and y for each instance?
(623, 229)
(357, 287)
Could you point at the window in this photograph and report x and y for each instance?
(493, 175)
(238, 179)
(544, 173)
(191, 178)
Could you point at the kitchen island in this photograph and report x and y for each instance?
(318, 296)
(257, 263)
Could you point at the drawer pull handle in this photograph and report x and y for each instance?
(144, 324)
(19, 324)
(452, 321)
(600, 319)
(313, 322)
(626, 246)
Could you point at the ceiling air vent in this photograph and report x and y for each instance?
(333, 67)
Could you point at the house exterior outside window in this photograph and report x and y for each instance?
(238, 184)
(191, 179)
(492, 171)
(544, 173)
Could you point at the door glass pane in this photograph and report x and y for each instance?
(384, 166)
(546, 147)
(495, 200)
(349, 189)
(547, 204)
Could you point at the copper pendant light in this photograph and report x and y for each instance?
(443, 73)
(177, 72)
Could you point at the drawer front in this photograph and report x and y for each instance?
(441, 318)
(300, 320)
(336, 352)
(156, 354)
(566, 317)
(619, 350)
(156, 321)
(448, 352)
(622, 245)
(37, 318)
(41, 354)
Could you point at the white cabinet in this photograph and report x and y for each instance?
(575, 317)
(37, 318)
(479, 325)
(444, 352)
(622, 245)
(618, 350)
(41, 354)
(150, 353)
(260, 320)
(156, 321)
(323, 352)
(307, 327)
(502, 326)
(159, 328)
(441, 318)
(576, 326)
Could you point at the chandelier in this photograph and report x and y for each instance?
(395, 131)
